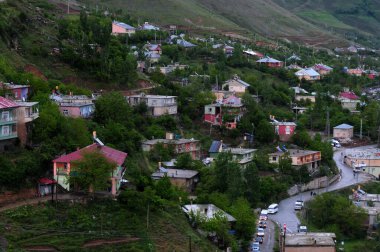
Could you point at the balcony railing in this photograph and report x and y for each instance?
(8, 120)
(9, 136)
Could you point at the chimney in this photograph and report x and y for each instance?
(159, 165)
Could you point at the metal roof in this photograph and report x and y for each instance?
(184, 43)
(215, 146)
(344, 126)
(206, 210)
(307, 72)
(268, 60)
(124, 25)
(5, 103)
(111, 154)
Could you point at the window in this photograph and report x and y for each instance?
(274, 158)
(287, 130)
(5, 131)
(5, 116)
(65, 112)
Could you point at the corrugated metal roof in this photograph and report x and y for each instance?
(5, 103)
(268, 60)
(184, 43)
(124, 25)
(111, 154)
(175, 173)
(215, 146)
(344, 126)
(307, 72)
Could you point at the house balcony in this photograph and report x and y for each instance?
(31, 117)
(8, 136)
(10, 120)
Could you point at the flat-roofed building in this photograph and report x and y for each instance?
(185, 179)
(309, 158)
(158, 105)
(310, 242)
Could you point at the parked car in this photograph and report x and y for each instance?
(259, 239)
(273, 208)
(262, 224)
(298, 205)
(302, 229)
(255, 246)
(260, 232)
(264, 215)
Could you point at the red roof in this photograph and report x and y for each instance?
(110, 153)
(349, 95)
(5, 103)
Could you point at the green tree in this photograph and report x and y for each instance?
(252, 184)
(265, 132)
(92, 172)
(245, 219)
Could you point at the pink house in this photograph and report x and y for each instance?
(62, 166)
(356, 72)
(122, 28)
(270, 62)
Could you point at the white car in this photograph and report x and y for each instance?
(260, 232)
(298, 205)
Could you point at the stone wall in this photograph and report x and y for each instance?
(317, 183)
(11, 196)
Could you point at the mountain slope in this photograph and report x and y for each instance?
(318, 22)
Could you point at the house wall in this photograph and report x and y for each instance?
(343, 133)
(323, 72)
(120, 30)
(309, 78)
(170, 110)
(87, 111)
(349, 104)
(305, 97)
(71, 111)
(285, 132)
(8, 122)
(310, 249)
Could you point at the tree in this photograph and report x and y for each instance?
(265, 132)
(92, 172)
(245, 219)
(252, 184)
(112, 107)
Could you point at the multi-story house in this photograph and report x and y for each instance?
(284, 130)
(179, 146)
(158, 105)
(27, 112)
(63, 167)
(185, 179)
(349, 100)
(240, 155)
(15, 91)
(74, 105)
(311, 159)
(322, 69)
(8, 122)
(224, 113)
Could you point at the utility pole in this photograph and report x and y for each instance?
(147, 218)
(68, 7)
(328, 123)
(190, 243)
(378, 138)
(361, 128)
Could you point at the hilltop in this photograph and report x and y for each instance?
(319, 23)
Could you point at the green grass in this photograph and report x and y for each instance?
(324, 18)
(68, 226)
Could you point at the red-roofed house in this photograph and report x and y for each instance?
(8, 121)
(285, 130)
(349, 100)
(62, 165)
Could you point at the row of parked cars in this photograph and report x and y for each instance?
(262, 225)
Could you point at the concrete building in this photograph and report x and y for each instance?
(349, 100)
(63, 166)
(158, 105)
(343, 131)
(74, 105)
(311, 159)
(310, 242)
(367, 160)
(270, 62)
(240, 155)
(179, 146)
(185, 179)
(236, 85)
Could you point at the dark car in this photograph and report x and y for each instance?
(259, 239)
(263, 224)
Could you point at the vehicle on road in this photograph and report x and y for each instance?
(260, 232)
(302, 229)
(335, 143)
(262, 224)
(255, 246)
(264, 215)
(273, 208)
(298, 205)
(259, 239)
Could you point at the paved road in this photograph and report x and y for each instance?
(269, 240)
(287, 214)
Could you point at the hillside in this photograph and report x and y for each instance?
(311, 22)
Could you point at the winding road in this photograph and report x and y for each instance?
(287, 214)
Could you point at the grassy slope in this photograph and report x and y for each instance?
(180, 12)
(68, 227)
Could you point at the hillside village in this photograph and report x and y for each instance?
(137, 136)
